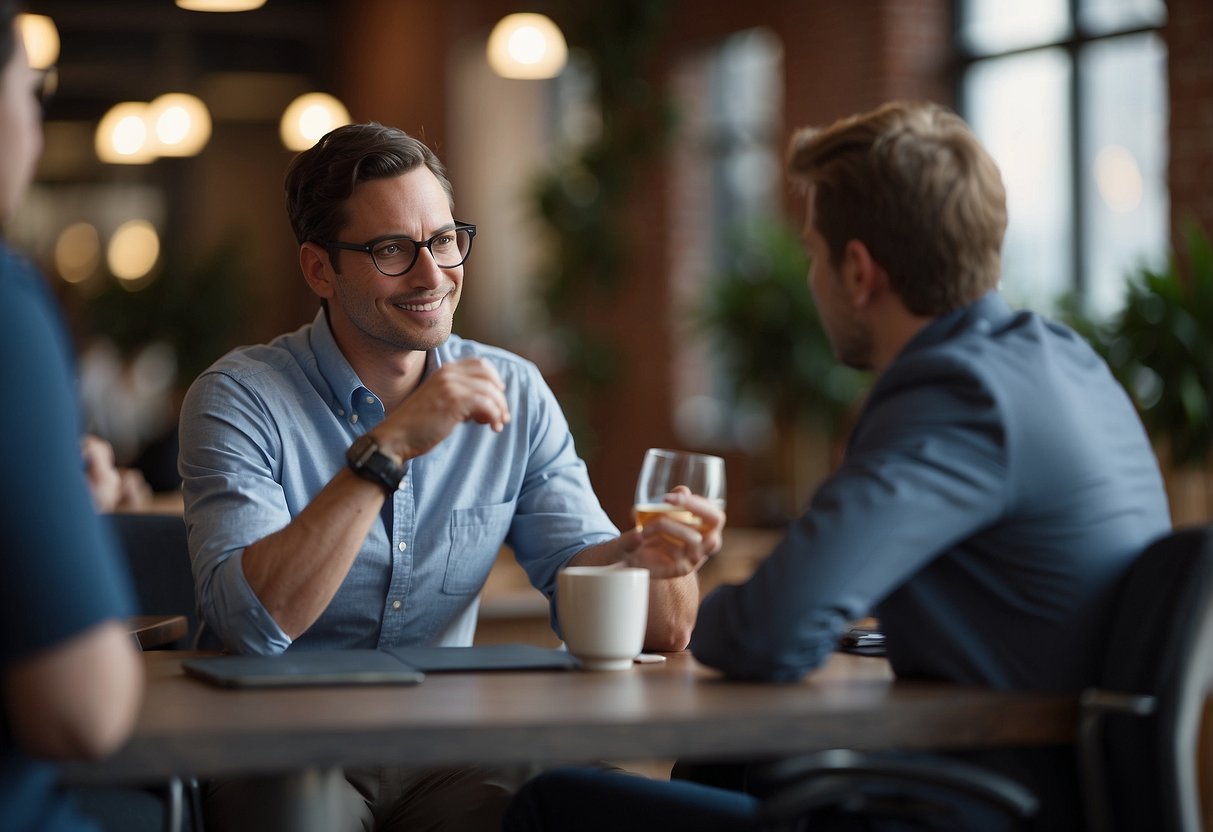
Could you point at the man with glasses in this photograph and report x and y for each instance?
(350, 484)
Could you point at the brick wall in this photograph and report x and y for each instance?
(836, 62)
(1189, 36)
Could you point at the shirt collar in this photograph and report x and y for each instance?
(345, 384)
(334, 369)
(985, 314)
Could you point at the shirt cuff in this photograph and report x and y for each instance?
(243, 623)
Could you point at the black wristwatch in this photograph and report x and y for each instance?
(367, 461)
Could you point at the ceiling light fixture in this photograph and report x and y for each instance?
(180, 123)
(122, 135)
(41, 38)
(78, 252)
(220, 5)
(527, 46)
(309, 117)
(133, 250)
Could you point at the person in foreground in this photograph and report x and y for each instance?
(70, 677)
(349, 485)
(996, 486)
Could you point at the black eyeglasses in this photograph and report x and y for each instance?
(394, 256)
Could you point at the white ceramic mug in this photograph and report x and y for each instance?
(603, 612)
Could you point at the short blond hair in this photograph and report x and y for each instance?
(912, 183)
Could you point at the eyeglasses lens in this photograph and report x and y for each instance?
(449, 249)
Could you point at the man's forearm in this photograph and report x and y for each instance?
(673, 604)
(43, 694)
(296, 571)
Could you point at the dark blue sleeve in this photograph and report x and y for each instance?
(60, 572)
(925, 469)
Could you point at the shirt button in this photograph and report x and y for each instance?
(340, 412)
(396, 605)
(403, 546)
(370, 399)
(354, 419)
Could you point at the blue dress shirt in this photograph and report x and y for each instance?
(266, 428)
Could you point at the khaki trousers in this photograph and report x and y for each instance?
(366, 800)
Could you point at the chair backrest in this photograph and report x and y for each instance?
(1161, 646)
(158, 557)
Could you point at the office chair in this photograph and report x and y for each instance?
(1138, 732)
(919, 788)
(1139, 729)
(157, 556)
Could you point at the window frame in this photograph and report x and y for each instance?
(965, 58)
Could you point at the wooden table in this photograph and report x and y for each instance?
(662, 711)
(157, 630)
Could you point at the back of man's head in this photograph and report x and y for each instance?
(320, 179)
(912, 183)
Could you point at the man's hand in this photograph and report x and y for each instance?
(112, 488)
(467, 390)
(670, 549)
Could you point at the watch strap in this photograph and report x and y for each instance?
(367, 461)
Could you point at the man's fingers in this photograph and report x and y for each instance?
(711, 516)
(678, 534)
(490, 410)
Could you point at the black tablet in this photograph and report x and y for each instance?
(303, 668)
(484, 657)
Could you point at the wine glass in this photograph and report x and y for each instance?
(663, 470)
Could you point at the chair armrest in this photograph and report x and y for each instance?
(1093, 705)
(803, 784)
(1100, 701)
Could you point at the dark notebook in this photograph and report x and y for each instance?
(484, 657)
(396, 666)
(305, 667)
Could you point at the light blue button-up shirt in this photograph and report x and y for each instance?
(266, 428)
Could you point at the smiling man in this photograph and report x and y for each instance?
(349, 484)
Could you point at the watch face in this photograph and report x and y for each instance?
(368, 462)
(362, 449)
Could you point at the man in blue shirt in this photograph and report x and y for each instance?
(351, 483)
(996, 487)
(70, 677)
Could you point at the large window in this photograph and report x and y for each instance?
(1070, 97)
(726, 175)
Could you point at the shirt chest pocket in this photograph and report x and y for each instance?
(476, 536)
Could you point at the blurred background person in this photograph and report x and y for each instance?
(113, 487)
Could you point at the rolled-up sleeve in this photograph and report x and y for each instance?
(557, 514)
(230, 462)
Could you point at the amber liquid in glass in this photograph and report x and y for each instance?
(649, 512)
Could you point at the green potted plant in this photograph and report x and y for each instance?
(1160, 346)
(581, 199)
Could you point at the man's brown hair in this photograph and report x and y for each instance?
(912, 183)
(321, 179)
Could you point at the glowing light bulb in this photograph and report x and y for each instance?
(309, 117)
(527, 46)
